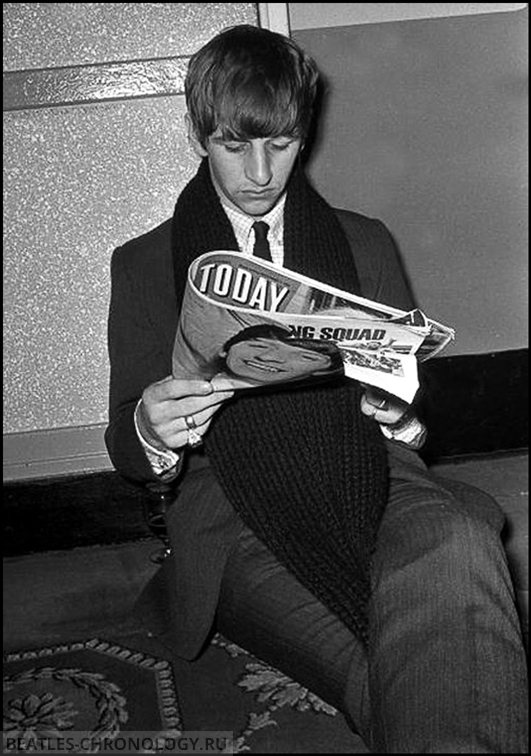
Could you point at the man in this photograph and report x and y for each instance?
(306, 528)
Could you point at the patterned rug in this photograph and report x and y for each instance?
(113, 693)
(91, 689)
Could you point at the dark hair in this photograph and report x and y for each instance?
(266, 331)
(251, 83)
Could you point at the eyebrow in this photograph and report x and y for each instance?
(222, 140)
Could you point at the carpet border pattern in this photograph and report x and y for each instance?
(111, 703)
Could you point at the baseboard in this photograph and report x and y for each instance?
(56, 451)
(474, 405)
(63, 513)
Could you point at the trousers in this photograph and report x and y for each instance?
(445, 670)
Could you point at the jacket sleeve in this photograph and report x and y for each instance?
(137, 358)
(382, 275)
(380, 269)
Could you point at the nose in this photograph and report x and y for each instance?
(258, 165)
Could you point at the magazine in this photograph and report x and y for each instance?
(246, 323)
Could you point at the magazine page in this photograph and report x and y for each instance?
(246, 323)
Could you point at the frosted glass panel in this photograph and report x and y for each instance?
(38, 35)
(77, 181)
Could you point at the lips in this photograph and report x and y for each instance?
(259, 195)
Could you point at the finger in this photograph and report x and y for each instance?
(367, 408)
(386, 416)
(392, 416)
(199, 418)
(174, 432)
(376, 397)
(180, 438)
(162, 416)
(381, 411)
(173, 388)
(193, 405)
(212, 400)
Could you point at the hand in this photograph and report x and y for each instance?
(165, 405)
(385, 408)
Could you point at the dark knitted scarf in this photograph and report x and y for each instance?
(303, 467)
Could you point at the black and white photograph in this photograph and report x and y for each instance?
(266, 378)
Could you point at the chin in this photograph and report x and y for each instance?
(257, 207)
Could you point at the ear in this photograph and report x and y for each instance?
(192, 138)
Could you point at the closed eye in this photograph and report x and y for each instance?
(235, 146)
(280, 146)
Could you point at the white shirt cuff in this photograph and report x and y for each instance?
(164, 462)
(410, 432)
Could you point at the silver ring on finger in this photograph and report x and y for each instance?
(194, 439)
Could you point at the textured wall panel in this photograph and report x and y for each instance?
(80, 179)
(77, 181)
(42, 35)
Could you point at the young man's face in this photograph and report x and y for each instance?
(252, 174)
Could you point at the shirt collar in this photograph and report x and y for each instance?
(243, 223)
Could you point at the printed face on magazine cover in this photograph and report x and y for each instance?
(251, 174)
(268, 360)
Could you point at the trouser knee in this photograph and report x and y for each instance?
(438, 539)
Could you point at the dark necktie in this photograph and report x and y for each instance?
(261, 245)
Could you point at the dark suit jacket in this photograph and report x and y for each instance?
(142, 324)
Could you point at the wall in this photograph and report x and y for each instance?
(94, 153)
(320, 15)
(425, 127)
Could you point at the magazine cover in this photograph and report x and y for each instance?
(246, 323)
